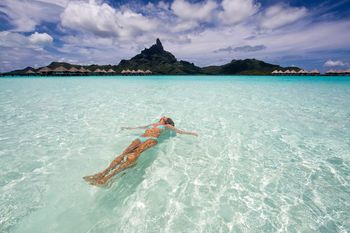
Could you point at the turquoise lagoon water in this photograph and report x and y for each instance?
(273, 154)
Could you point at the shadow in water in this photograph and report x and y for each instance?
(125, 183)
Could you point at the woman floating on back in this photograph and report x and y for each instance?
(133, 151)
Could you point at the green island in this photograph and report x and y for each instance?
(157, 61)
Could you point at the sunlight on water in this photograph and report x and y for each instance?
(273, 154)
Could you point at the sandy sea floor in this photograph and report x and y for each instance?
(273, 154)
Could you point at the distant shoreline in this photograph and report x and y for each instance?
(157, 61)
(173, 75)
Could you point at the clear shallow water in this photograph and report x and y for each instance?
(273, 155)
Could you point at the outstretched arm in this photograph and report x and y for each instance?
(140, 127)
(180, 131)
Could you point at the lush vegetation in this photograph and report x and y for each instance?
(159, 61)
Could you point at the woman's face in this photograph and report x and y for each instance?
(163, 120)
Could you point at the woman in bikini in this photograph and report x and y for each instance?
(134, 150)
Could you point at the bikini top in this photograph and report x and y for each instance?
(161, 127)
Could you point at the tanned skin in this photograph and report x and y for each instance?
(132, 152)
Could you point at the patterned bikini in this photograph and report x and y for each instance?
(143, 139)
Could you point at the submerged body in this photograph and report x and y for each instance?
(129, 156)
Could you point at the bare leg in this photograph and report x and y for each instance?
(132, 157)
(115, 162)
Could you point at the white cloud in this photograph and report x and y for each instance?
(103, 20)
(19, 50)
(10, 39)
(184, 26)
(195, 11)
(235, 11)
(17, 40)
(25, 15)
(40, 38)
(332, 63)
(163, 5)
(278, 16)
(91, 17)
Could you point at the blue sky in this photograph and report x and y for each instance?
(309, 34)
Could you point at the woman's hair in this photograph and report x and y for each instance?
(169, 121)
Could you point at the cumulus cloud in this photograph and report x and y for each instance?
(17, 40)
(17, 51)
(184, 26)
(332, 63)
(278, 15)
(40, 38)
(194, 11)
(9, 39)
(25, 15)
(104, 20)
(246, 48)
(234, 11)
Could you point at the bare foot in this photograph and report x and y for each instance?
(88, 178)
(93, 177)
(98, 182)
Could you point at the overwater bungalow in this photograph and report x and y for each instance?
(59, 70)
(110, 71)
(44, 70)
(30, 72)
(73, 70)
(290, 72)
(135, 72)
(82, 70)
(98, 70)
(314, 72)
(338, 72)
(331, 72)
(302, 72)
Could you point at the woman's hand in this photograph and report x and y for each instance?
(194, 134)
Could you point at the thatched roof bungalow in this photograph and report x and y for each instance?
(140, 71)
(44, 70)
(30, 72)
(331, 71)
(314, 72)
(82, 70)
(73, 70)
(60, 70)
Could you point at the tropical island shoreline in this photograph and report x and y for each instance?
(157, 61)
